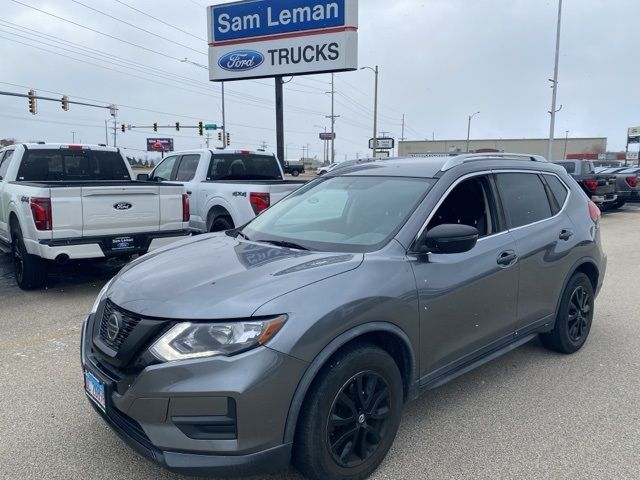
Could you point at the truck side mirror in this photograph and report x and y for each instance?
(143, 177)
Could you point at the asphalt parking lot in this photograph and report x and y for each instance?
(530, 414)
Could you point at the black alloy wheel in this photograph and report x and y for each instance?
(358, 419)
(18, 261)
(579, 314)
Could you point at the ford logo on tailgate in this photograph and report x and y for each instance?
(122, 206)
(241, 60)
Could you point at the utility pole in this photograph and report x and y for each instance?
(333, 117)
(402, 139)
(224, 122)
(375, 109)
(280, 119)
(554, 97)
(106, 132)
(73, 136)
(208, 138)
(566, 140)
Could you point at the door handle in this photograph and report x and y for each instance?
(565, 235)
(507, 258)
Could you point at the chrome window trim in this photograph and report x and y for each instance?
(490, 172)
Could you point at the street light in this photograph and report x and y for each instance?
(324, 142)
(469, 129)
(375, 110)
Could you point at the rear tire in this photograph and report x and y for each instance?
(295, 173)
(350, 416)
(221, 224)
(618, 204)
(30, 270)
(574, 319)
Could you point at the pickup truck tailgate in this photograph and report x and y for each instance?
(606, 184)
(281, 190)
(122, 209)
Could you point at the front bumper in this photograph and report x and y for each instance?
(146, 410)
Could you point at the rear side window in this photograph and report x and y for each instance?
(187, 168)
(4, 163)
(558, 189)
(524, 198)
(243, 167)
(72, 165)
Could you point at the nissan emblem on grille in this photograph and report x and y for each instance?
(113, 326)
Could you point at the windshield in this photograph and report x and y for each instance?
(341, 214)
(243, 167)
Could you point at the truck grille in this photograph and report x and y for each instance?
(127, 323)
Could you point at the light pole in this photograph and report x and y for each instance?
(554, 97)
(324, 143)
(566, 140)
(375, 110)
(469, 129)
(73, 136)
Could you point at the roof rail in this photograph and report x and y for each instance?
(474, 157)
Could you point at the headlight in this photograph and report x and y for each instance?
(197, 340)
(100, 296)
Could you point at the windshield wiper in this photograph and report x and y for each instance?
(279, 243)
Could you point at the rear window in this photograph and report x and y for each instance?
(244, 167)
(72, 165)
(524, 198)
(570, 167)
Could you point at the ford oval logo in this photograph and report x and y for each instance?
(241, 60)
(122, 206)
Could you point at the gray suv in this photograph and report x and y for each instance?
(300, 336)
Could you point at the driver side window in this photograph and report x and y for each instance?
(164, 171)
(470, 203)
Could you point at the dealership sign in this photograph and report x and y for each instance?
(633, 135)
(327, 136)
(159, 144)
(383, 143)
(267, 38)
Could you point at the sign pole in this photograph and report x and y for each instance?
(280, 119)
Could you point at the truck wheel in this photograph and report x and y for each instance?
(295, 173)
(574, 319)
(30, 270)
(350, 417)
(221, 224)
(618, 204)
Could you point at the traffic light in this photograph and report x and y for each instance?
(177, 126)
(201, 128)
(65, 103)
(123, 127)
(228, 139)
(219, 136)
(155, 127)
(33, 102)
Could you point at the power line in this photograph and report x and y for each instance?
(200, 52)
(161, 21)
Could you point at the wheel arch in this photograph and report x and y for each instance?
(586, 265)
(387, 336)
(14, 222)
(217, 210)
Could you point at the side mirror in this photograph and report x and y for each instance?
(449, 238)
(143, 177)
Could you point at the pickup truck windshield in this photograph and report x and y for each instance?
(243, 167)
(341, 214)
(72, 165)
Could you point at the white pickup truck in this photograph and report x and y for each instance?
(227, 188)
(66, 202)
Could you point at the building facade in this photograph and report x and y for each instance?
(536, 146)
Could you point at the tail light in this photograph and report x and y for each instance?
(591, 184)
(632, 181)
(41, 212)
(186, 216)
(259, 201)
(594, 212)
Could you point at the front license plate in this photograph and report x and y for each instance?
(95, 390)
(123, 243)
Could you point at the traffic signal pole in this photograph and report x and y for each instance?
(280, 119)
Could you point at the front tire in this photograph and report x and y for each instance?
(575, 317)
(30, 271)
(350, 417)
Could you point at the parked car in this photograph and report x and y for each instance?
(204, 358)
(227, 188)
(599, 187)
(62, 202)
(294, 169)
(627, 183)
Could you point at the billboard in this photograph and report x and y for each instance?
(159, 144)
(267, 38)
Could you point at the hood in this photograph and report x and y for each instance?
(220, 277)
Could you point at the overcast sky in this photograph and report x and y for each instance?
(440, 61)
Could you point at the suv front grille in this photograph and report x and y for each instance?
(127, 323)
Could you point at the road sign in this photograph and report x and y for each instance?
(327, 136)
(383, 143)
(210, 126)
(159, 144)
(267, 38)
